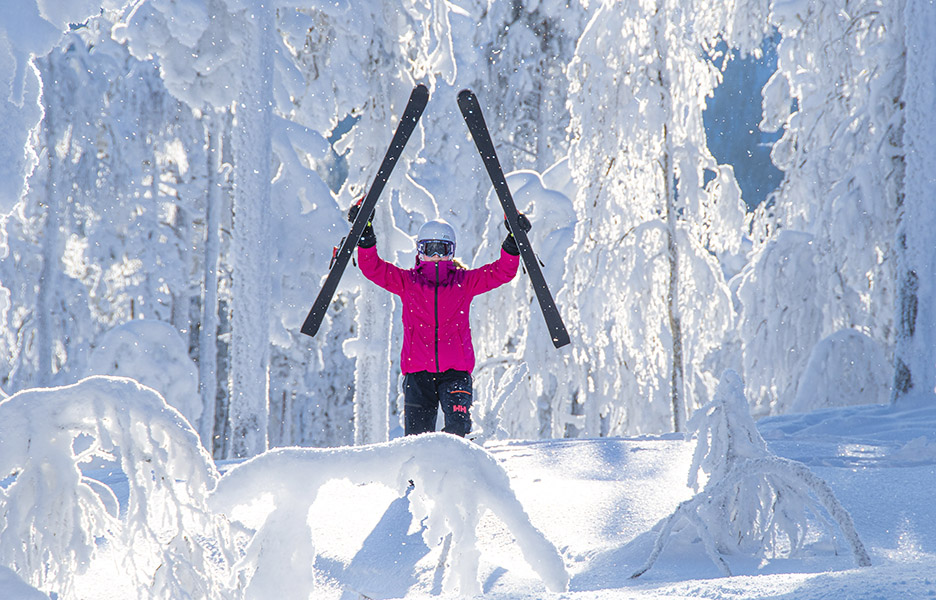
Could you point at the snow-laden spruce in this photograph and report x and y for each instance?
(753, 501)
(455, 482)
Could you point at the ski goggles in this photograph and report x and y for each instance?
(435, 248)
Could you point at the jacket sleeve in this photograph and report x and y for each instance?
(492, 275)
(387, 276)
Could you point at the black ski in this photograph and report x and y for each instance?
(414, 109)
(471, 111)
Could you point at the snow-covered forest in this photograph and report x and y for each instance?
(724, 195)
(190, 162)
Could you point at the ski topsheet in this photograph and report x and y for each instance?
(414, 109)
(471, 111)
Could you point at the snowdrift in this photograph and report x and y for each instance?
(178, 523)
(106, 493)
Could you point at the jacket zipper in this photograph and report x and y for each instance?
(437, 318)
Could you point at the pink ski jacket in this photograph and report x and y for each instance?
(436, 300)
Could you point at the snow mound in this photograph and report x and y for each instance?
(844, 369)
(12, 587)
(455, 481)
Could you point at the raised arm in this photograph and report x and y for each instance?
(389, 277)
(504, 268)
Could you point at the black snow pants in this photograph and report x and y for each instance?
(425, 392)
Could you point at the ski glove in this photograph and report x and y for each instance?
(368, 237)
(510, 244)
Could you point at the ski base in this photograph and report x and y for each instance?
(471, 111)
(414, 109)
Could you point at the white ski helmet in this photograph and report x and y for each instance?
(437, 230)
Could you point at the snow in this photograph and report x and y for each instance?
(23, 32)
(753, 501)
(11, 586)
(456, 482)
(123, 477)
(167, 204)
(57, 520)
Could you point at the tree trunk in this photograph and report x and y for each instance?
(250, 303)
(222, 438)
(915, 351)
(672, 246)
(672, 295)
(51, 251)
(208, 332)
(371, 350)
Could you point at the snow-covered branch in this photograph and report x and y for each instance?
(54, 519)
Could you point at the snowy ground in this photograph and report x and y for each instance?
(597, 501)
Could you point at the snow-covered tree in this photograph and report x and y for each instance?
(29, 30)
(780, 320)
(142, 181)
(837, 96)
(209, 324)
(47, 308)
(154, 354)
(509, 320)
(448, 500)
(215, 55)
(844, 369)
(250, 248)
(113, 172)
(649, 227)
(529, 48)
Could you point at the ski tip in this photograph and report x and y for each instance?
(468, 103)
(419, 97)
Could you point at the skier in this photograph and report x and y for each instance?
(437, 356)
